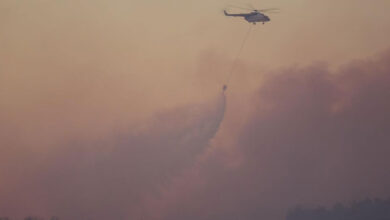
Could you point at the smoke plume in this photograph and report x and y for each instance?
(314, 137)
(110, 177)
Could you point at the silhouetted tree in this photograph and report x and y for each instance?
(33, 218)
(368, 209)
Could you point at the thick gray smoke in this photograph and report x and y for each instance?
(314, 138)
(109, 178)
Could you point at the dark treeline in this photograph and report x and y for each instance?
(368, 209)
(31, 218)
(376, 209)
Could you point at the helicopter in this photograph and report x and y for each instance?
(254, 16)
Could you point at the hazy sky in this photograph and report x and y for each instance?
(114, 108)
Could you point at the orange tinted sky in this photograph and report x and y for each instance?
(153, 49)
(85, 69)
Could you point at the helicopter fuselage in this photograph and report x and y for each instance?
(257, 17)
(252, 17)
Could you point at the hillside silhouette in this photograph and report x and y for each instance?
(368, 209)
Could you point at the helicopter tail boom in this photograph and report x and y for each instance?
(234, 15)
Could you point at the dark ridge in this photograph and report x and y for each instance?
(368, 209)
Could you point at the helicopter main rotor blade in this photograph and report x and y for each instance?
(234, 6)
(271, 12)
(250, 6)
(269, 9)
